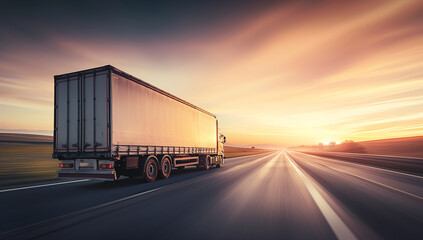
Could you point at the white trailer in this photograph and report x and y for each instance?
(108, 123)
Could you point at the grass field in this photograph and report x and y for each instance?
(26, 162)
(405, 147)
(238, 152)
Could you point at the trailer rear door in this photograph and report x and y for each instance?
(67, 116)
(95, 108)
(82, 112)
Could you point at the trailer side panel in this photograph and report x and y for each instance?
(145, 117)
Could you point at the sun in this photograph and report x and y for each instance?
(328, 141)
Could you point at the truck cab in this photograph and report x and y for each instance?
(221, 139)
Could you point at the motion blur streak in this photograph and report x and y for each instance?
(339, 227)
(244, 191)
(43, 185)
(251, 197)
(374, 197)
(419, 197)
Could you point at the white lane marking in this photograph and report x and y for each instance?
(124, 199)
(44, 185)
(177, 184)
(338, 226)
(83, 180)
(49, 222)
(361, 165)
(374, 155)
(376, 182)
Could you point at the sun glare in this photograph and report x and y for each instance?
(327, 142)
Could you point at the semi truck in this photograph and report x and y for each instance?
(108, 123)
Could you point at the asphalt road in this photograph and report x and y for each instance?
(280, 195)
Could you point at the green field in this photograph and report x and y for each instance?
(26, 158)
(26, 162)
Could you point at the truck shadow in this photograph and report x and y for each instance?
(177, 175)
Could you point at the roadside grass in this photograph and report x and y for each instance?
(231, 152)
(26, 162)
(402, 147)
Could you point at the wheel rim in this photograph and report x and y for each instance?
(166, 167)
(151, 170)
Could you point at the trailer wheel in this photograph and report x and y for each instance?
(207, 163)
(166, 168)
(220, 162)
(150, 169)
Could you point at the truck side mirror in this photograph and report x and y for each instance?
(224, 139)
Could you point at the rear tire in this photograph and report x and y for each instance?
(150, 169)
(207, 164)
(166, 168)
(220, 162)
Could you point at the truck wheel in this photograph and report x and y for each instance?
(220, 162)
(150, 169)
(207, 164)
(166, 168)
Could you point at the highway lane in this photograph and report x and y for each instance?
(30, 203)
(388, 203)
(404, 164)
(408, 181)
(269, 196)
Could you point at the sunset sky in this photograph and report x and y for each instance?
(274, 73)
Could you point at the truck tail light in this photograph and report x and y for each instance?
(66, 165)
(107, 166)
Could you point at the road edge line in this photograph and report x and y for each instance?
(38, 225)
(377, 183)
(338, 226)
(43, 185)
(363, 165)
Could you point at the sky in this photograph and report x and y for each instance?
(275, 73)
